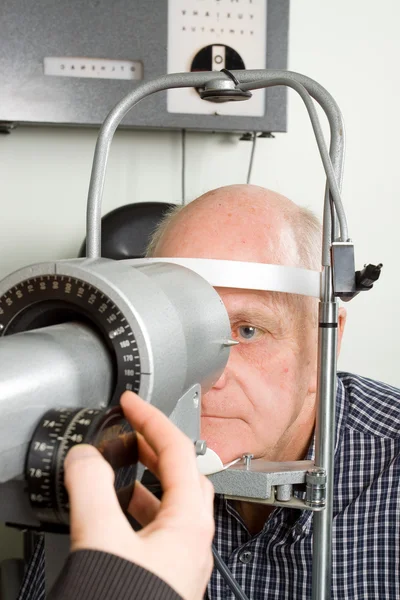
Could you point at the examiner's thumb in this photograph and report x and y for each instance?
(94, 507)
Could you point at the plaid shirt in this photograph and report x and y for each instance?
(277, 562)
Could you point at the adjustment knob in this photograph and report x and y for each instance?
(59, 430)
(215, 57)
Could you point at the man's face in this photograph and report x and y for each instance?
(264, 400)
(263, 403)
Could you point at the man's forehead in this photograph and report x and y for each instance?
(246, 301)
(224, 237)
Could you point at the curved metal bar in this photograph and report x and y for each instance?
(178, 80)
(327, 163)
(337, 132)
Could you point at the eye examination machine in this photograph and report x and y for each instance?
(76, 333)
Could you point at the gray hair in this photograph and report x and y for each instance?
(161, 228)
(307, 232)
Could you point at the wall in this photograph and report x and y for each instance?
(352, 48)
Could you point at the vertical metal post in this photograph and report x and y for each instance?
(325, 439)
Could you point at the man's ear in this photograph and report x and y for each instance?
(341, 325)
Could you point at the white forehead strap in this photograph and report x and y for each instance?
(249, 275)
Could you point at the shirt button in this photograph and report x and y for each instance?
(298, 529)
(246, 557)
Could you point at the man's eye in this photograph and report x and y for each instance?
(248, 332)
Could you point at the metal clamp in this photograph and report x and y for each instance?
(316, 488)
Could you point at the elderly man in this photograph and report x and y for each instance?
(264, 403)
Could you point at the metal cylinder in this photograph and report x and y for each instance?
(63, 365)
(315, 488)
(324, 443)
(284, 492)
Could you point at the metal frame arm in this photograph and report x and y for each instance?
(256, 79)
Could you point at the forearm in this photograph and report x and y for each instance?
(94, 575)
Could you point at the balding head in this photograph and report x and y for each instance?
(264, 401)
(241, 222)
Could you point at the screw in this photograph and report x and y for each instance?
(200, 447)
(247, 460)
(228, 343)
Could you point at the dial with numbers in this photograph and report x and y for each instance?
(51, 299)
(158, 330)
(57, 432)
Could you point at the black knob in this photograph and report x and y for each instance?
(57, 431)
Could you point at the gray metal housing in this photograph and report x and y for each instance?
(179, 323)
(124, 29)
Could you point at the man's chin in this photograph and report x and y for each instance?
(223, 436)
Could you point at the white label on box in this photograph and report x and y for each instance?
(95, 68)
(221, 25)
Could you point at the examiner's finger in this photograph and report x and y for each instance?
(177, 466)
(89, 480)
(144, 506)
(147, 456)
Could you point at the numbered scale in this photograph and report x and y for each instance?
(48, 299)
(52, 299)
(57, 432)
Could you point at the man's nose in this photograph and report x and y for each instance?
(220, 383)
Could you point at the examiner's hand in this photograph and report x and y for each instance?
(175, 542)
